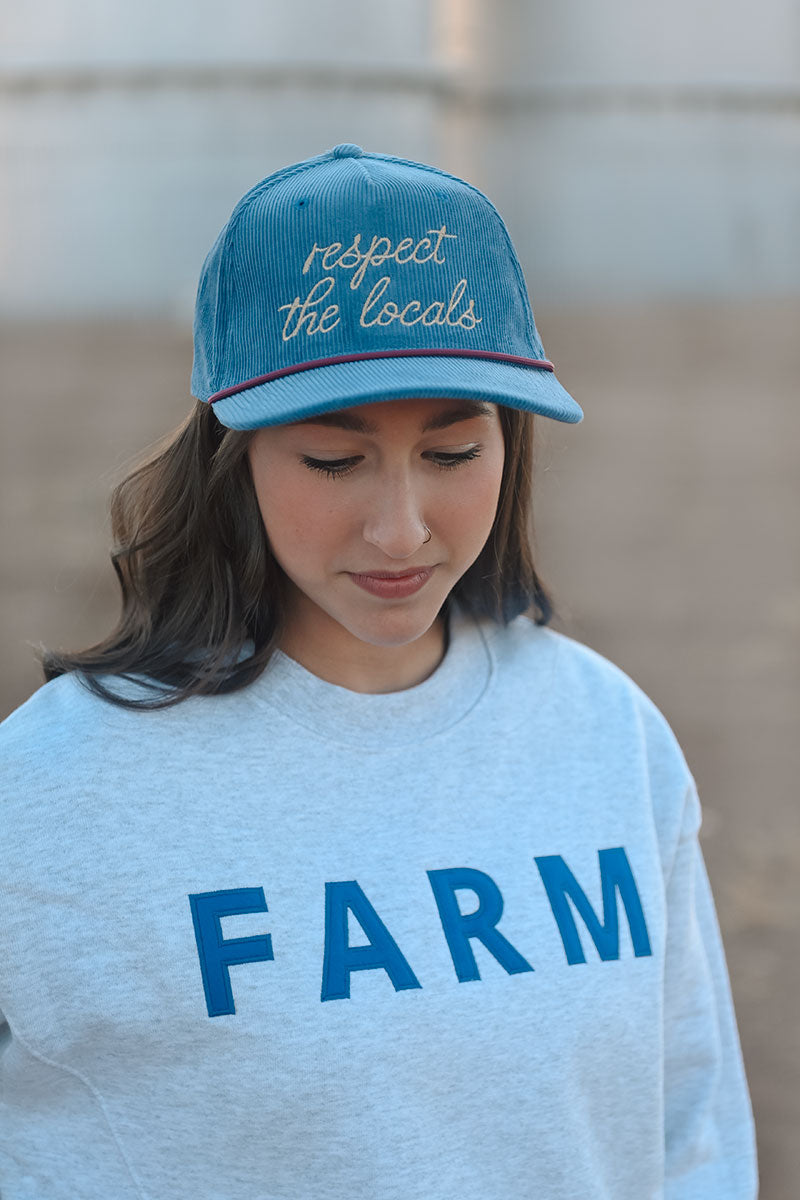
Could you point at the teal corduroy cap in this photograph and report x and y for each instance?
(355, 277)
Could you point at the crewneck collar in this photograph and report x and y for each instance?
(367, 720)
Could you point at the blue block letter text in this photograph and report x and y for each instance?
(216, 953)
(341, 958)
(459, 927)
(615, 874)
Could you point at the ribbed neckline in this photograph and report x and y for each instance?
(388, 719)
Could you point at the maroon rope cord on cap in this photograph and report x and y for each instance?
(514, 359)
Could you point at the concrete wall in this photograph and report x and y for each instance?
(634, 150)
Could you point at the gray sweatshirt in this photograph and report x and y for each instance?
(303, 943)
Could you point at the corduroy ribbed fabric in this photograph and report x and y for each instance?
(350, 253)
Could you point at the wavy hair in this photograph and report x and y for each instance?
(203, 598)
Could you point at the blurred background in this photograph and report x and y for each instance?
(646, 159)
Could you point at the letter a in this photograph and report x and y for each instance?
(341, 958)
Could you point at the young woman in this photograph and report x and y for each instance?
(334, 872)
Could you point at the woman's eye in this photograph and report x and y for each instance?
(335, 470)
(338, 468)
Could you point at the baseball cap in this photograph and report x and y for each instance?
(354, 277)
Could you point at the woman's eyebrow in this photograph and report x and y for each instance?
(356, 424)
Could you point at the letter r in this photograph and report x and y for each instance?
(459, 927)
(216, 953)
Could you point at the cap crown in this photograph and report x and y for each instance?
(349, 253)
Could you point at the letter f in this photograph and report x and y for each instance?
(216, 953)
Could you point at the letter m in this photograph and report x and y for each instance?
(615, 876)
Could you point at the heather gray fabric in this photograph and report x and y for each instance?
(470, 950)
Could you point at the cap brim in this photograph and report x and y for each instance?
(344, 385)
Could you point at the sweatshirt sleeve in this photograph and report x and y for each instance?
(710, 1151)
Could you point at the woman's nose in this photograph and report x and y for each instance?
(395, 522)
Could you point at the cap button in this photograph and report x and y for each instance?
(347, 150)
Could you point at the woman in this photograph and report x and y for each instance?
(333, 871)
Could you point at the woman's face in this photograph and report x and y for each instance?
(409, 463)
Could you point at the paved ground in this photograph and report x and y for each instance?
(668, 527)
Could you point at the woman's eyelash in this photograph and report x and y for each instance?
(341, 467)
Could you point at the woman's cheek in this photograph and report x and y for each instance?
(484, 494)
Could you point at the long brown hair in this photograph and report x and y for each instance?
(203, 598)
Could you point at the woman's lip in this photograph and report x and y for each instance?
(393, 588)
(391, 574)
